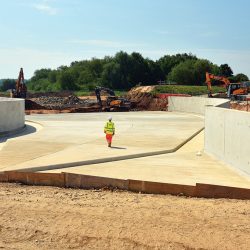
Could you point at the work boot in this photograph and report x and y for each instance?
(109, 144)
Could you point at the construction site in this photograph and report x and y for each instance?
(173, 156)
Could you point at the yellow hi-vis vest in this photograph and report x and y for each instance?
(109, 128)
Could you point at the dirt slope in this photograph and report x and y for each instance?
(143, 99)
(53, 218)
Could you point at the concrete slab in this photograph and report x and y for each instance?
(66, 138)
(186, 166)
(79, 137)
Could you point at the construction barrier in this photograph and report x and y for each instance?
(69, 180)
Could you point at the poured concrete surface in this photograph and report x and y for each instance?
(67, 138)
(189, 165)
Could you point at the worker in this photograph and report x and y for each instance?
(109, 130)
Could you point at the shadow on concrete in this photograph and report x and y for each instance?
(117, 147)
(28, 129)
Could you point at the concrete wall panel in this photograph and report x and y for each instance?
(227, 136)
(194, 105)
(11, 114)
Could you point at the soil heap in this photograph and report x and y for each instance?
(143, 98)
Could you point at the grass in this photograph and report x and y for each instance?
(5, 94)
(190, 90)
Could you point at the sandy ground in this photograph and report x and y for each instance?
(54, 218)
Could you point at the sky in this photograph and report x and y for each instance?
(37, 34)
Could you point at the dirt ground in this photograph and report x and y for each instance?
(54, 218)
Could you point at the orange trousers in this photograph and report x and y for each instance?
(109, 138)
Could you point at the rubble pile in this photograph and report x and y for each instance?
(60, 103)
(64, 93)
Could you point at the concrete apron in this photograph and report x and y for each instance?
(107, 159)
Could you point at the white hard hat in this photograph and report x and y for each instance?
(110, 118)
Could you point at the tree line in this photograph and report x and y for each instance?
(124, 71)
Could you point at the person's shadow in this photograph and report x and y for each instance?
(117, 147)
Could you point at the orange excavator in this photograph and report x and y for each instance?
(21, 90)
(234, 90)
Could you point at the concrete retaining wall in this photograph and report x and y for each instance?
(87, 182)
(11, 115)
(227, 136)
(194, 105)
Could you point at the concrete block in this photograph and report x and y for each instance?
(46, 179)
(19, 177)
(161, 188)
(100, 182)
(11, 114)
(87, 181)
(3, 177)
(215, 191)
(72, 180)
(135, 186)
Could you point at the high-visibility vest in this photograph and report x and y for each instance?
(109, 128)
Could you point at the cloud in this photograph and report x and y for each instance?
(45, 7)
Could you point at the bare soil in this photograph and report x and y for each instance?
(54, 218)
(243, 106)
(143, 99)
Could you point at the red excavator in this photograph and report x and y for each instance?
(234, 90)
(21, 90)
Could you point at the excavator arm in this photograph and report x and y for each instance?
(21, 90)
(210, 77)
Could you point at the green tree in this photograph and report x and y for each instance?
(167, 62)
(225, 70)
(191, 72)
(239, 78)
(66, 81)
(8, 84)
(112, 77)
(41, 74)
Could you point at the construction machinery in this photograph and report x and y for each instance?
(20, 90)
(112, 102)
(235, 91)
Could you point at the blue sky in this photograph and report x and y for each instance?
(49, 33)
